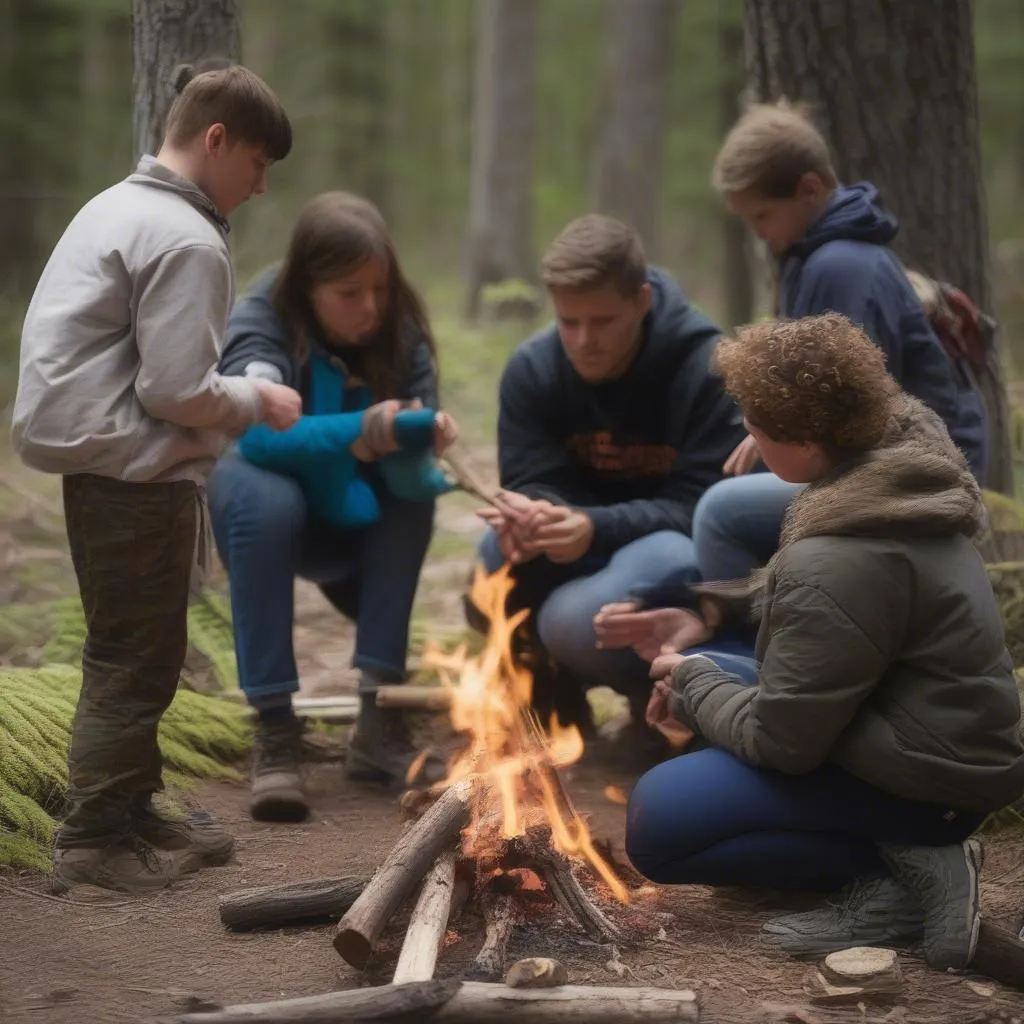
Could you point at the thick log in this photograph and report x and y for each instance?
(556, 872)
(274, 906)
(469, 1003)
(409, 695)
(409, 860)
(501, 916)
(999, 955)
(428, 924)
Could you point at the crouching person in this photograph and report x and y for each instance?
(883, 721)
(346, 498)
(610, 427)
(131, 311)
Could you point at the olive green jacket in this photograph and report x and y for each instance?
(881, 646)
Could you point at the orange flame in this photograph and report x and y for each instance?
(508, 751)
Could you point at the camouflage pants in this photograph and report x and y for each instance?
(132, 546)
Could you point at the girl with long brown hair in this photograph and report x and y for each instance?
(346, 497)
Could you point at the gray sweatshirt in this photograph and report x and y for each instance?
(123, 336)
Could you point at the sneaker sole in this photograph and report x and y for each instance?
(279, 807)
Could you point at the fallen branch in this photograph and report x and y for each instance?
(451, 1002)
(428, 924)
(274, 906)
(409, 695)
(327, 709)
(501, 916)
(409, 860)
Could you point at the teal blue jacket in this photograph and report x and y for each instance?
(316, 451)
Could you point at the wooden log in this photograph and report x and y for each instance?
(469, 1003)
(410, 859)
(428, 924)
(999, 955)
(327, 709)
(409, 695)
(556, 872)
(274, 906)
(501, 916)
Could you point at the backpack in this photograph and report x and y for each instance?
(966, 332)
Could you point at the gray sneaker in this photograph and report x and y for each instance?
(381, 750)
(945, 879)
(122, 863)
(276, 777)
(873, 912)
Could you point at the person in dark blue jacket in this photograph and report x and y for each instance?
(346, 497)
(610, 427)
(832, 242)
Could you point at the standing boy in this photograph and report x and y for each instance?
(118, 393)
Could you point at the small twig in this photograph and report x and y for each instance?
(63, 901)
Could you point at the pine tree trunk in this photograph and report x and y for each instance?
(627, 179)
(166, 33)
(893, 86)
(736, 246)
(500, 214)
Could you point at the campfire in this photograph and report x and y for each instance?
(499, 827)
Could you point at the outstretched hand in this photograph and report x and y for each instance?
(743, 459)
(650, 633)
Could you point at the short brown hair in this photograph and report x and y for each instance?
(594, 251)
(769, 150)
(817, 379)
(236, 98)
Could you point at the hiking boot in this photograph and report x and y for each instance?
(945, 880)
(869, 912)
(379, 748)
(122, 863)
(207, 843)
(276, 779)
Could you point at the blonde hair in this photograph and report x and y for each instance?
(593, 251)
(820, 379)
(768, 151)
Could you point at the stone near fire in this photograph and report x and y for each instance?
(859, 964)
(537, 972)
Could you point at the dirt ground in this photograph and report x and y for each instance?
(99, 958)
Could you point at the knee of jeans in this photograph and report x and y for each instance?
(715, 512)
(489, 553)
(566, 629)
(257, 502)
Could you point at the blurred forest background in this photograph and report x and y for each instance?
(381, 93)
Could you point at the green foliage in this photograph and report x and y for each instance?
(200, 737)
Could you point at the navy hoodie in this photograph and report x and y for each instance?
(635, 453)
(843, 265)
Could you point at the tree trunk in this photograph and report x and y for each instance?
(627, 180)
(500, 211)
(166, 33)
(737, 257)
(893, 86)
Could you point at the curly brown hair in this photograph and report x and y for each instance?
(817, 379)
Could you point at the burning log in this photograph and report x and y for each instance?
(501, 916)
(274, 906)
(452, 1002)
(408, 862)
(428, 923)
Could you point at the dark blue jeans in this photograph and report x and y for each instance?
(708, 818)
(565, 599)
(266, 538)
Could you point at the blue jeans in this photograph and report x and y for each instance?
(266, 538)
(736, 524)
(565, 599)
(708, 818)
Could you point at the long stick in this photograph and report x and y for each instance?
(470, 1003)
(429, 921)
(409, 860)
(500, 915)
(409, 695)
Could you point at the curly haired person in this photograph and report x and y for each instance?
(879, 723)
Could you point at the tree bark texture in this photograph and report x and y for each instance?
(275, 906)
(500, 213)
(893, 86)
(166, 33)
(627, 179)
